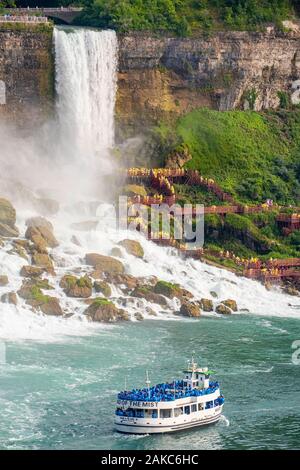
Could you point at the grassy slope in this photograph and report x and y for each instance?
(251, 155)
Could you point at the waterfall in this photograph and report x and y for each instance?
(86, 73)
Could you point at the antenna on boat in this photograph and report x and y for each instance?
(125, 382)
(148, 382)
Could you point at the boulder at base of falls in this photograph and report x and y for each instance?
(230, 303)
(127, 280)
(9, 298)
(115, 251)
(19, 251)
(79, 287)
(40, 232)
(7, 231)
(132, 247)
(104, 311)
(42, 260)
(138, 316)
(290, 290)
(223, 310)
(189, 309)
(102, 287)
(105, 264)
(7, 213)
(3, 280)
(145, 292)
(31, 271)
(172, 290)
(39, 301)
(206, 305)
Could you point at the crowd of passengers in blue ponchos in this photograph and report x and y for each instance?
(166, 392)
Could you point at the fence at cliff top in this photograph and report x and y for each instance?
(23, 19)
(65, 14)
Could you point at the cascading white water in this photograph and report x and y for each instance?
(86, 65)
(86, 69)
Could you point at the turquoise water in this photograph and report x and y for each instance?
(61, 396)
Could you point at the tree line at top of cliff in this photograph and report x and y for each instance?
(181, 17)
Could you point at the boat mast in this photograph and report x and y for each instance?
(148, 383)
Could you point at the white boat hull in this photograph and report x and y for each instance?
(135, 426)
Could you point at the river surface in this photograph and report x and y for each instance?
(61, 395)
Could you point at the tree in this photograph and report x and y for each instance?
(7, 4)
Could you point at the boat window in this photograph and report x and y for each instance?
(166, 413)
(200, 406)
(209, 404)
(187, 410)
(154, 414)
(194, 408)
(178, 411)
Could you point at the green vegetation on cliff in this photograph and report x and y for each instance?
(254, 156)
(184, 16)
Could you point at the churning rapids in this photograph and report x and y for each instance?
(68, 161)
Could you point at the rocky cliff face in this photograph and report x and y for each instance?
(26, 76)
(167, 76)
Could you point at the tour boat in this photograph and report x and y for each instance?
(183, 404)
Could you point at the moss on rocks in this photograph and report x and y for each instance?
(76, 287)
(132, 247)
(103, 287)
(104, 311)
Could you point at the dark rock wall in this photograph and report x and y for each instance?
(26, 76)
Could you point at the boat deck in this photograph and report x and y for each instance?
(166, 392)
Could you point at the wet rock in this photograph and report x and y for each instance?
(3, 280)
(9, 298)
(7, 231)
(43, 261)
(189, 309)
(105, 264)
(102, 287)
(230, 304)
(49, 306)
(40, 232)
(145, 292)
(291, 291)
(207, 305)
(115, 251)
(223, 310)
(214, 294)
(76, 287)
(150, 312)
(39, 301)
(132, 247)
(178, 157)
(97, 274)
(104, 311)
(130, 282)
(138, 316)
(19, 251)
(31, 271)
(75, 240)
(172, 290)
(7, 213)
